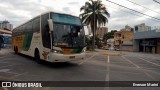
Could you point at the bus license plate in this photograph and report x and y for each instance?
(72, 57)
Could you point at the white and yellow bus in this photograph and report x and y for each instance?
(54, 37)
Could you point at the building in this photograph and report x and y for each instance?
(141, 27)
(123, 40)
(110, 44)
(127, 28)
(6, 25)
(147, 41)
(5, 31)
(101, 31)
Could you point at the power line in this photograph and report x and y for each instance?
(133, 10)
(142, 6)
(133, 13)
(156, 1)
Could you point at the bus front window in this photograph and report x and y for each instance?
(68, 35)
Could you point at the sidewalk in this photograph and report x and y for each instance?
(5, 51)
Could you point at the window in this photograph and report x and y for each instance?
(66, 35)
(136, 28)
(62, 18)
(29, 27)
(123, 36)
(36, 24)
(45, 31)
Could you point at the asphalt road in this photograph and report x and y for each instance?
(96, 67)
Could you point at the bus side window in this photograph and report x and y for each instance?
(36, 24)
(45, 31)
(47, 34)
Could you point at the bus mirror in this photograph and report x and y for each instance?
(50, 22)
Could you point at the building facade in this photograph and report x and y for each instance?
(123, 40)
(101, 31)
(148, 41)
(110, 44)
(127, 28)
(141, 27)
(6, 25)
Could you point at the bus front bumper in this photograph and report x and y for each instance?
(55, 57)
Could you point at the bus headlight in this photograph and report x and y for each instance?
(57, 51)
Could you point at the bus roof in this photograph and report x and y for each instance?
(43, 14)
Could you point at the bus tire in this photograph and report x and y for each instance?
(37, 56)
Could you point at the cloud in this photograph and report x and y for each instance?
(19, 11)
(66, 9)
(121, 16)
(73, 3)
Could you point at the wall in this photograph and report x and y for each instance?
(158, 47)
(121, 37)
(136, 45)
(127, 48)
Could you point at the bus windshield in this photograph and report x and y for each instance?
(7, 40)
(68, 31)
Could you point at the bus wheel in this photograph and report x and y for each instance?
(37, 56)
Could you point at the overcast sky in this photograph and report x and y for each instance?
(19, 11)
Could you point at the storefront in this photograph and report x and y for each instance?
(148, 45)
(147, 41)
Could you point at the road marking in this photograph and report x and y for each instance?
(130, 61)
(148, 61)
(107, 74)
(4, 70)
(139, 68)
(8, 65)
(18, 75)
(108, 69)
(87, 59)
(108, 59)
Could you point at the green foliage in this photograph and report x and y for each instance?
(109, 35)
(89, 42)
(94, 12)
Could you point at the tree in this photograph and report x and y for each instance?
(94, 12)
(109, 35)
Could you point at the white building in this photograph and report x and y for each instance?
(127, 28)
(110, 43)
(6, 25)
(142, 27)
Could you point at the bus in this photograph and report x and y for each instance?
(53, 37)
(5, 40)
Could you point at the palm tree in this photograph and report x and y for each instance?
(94, 12)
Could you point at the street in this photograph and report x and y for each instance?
(98, 66)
